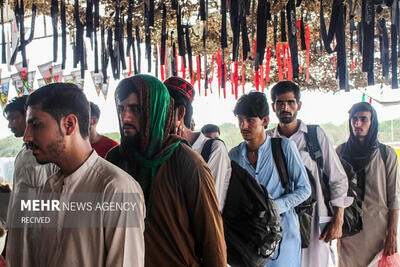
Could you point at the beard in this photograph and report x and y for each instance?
(285, 119)
(131, 143)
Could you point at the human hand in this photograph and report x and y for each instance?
(390, 243)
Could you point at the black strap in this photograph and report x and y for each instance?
(207, 149)
(280, 162)
(382, 149)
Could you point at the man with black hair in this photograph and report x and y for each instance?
(211, 131)
(377, 171)
(213, 151)
(102, 144)
(58, 118)
(286, 103)
(183, 224)
(29, 176)
(255, 155)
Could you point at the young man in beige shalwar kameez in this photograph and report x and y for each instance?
(58, 131)
(380, 191)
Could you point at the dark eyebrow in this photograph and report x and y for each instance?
(31, 120)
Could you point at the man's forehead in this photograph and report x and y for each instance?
(13, 113)
(286, 96)
(362, 114)
(131, 99)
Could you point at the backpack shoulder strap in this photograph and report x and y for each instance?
(280, 162)
(313, 145)
(383, 151)
(207, 148)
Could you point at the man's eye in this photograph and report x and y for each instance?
(279, 102)
(291, 102)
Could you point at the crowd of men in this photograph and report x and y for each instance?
(179, 179)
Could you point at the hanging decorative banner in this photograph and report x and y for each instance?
(23, 73)
(78, 78)
(198, 72)
(41, 82)
(267, 64)
(219, 70)
(19, 85)
(262, 77)
(289, 65)
(69, 78)
(46, 71)
(4, 89)
(236, 78)
(224, 79)
(308, 53)
(243, 75)
(212, 73)
(31, 79)
(285, 70)
(57, 73)
(104, 88)
(97, 81)
(232, 79)
(257, 79)
(278, 59)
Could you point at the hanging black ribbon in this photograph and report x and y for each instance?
(89, 20)
(384, 48)
(63, 34)
(368, 26)
(224, 42)
(139, 53)
(54, 19)
(302, 35)
(164, 34)
(292, 34)
(261, 32)
(235, 25)
(151, 12)
(189, 50)
(121, 44)
(342, 71)
(174, 71)
(147, 37)
(253, 12)
(95, 27)
(3, 38)
(104, 56)
(283, 27)
(275, 24)
(156, 56)
(203, 10)
(129, 28)
(19, 12)
(394, 31)
(181, 35)
(243, 9)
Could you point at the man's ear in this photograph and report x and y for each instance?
(299, 105)
(93, 121)
(180, 112)
(265, 121)
(69, 124)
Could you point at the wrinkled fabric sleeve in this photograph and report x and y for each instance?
(338, 182)
(220, 166)
(125, 243)
(205, 218)
(300, 187)
(392, 179)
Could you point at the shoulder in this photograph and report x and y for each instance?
(390, 153)
(339, 148)
(234, 153)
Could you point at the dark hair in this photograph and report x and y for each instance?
(285, 87)
(62, 99)
(125, 88)
(181, 100)
(16, 104)
(253, 104)
(361, 106)
(94, 110)
(210, 128)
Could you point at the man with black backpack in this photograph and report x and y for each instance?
(255, 155)
(328, 179)
(213, 150)
(377, 171)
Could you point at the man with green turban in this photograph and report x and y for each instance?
(183, 224)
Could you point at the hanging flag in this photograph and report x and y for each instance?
(46, 71)
(19, 85)
(212, 73)
(279, 61)
(232, 79)
(267, 64)
(4, 89)
(78, 80)
(292, 34)
(262, 77)
(104, 88)
(308, 53)
(57, 73)
(69, 78)
(219, 70)
(97, 81)
(41, 82)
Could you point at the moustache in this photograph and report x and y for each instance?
(285, 113)
(128, 125)
(31, 145)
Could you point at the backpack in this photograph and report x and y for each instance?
(250, 217)
(353, 219)
(305, 209)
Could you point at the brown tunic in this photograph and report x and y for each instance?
(184, 226)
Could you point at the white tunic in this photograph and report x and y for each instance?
(101, 246)
(220, 166)
(318, 252)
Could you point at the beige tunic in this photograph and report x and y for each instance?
(382, 189)
(100, 246)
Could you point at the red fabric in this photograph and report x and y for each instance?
(267, 64)
(300, 68)
(285, 70)
(278, 59)
(243, 77)
(166, 65)
(232, 80)
(2, 262)
(334, 56)
(289, 65)
(353, 66)
(308, 53)
(198, 72)
(257, 79)
(212, 74)
(236, 78)
(130, 65)
(103, 146)
(183, 68)
(389, 261)
(255, 46)
(225, 79)
(261, 77)
(219, 68)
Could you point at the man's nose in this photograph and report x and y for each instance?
(243, 124)
(125, 116)
(28, 135)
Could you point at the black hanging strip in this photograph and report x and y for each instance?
(139, 53)
(134, 58)
(342, 71)
(129, 28)
(148, 37)
(156, 59)
(243, 9)
(164, 34)
(368, 26)
(253, 14)
(22, 32)
(384, 48)
(95, 27)
(261, 32)
(3, 38)
(121, 43)
(63, 34)
(283, 27)
(203, 10)
(302, 35)
(275, 24)
(327, 38)
(181, 35)
(205, 35)
(174, 71)
(54, 18)
(394, 32)
(112, 54)
(292, 34)
(235, 25)
(189, 50)
(104, 55)
(224, 41)
(151, 12)
(115, 54)
(89, 20)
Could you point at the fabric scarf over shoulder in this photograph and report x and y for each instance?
(156, 143)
